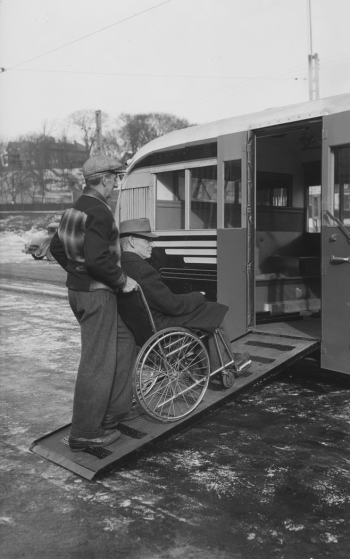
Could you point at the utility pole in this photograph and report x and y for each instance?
(313, 61)
(99, 132)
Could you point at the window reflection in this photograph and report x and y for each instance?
(273, 189)
(232, 194)
(342, 184)
(170, 212)
(203, 189)
(314, 210)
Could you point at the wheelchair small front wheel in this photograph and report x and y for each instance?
(171, 375)
(228, 378)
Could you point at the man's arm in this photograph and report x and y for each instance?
(101, 263)
(160, 298)
(57, 251)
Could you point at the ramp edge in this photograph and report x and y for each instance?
(61, 461)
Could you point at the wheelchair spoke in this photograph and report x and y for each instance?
(171, 374)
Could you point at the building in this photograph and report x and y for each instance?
(45, 152)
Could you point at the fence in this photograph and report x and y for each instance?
(39, 207)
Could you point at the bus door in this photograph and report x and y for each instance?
(335, 348)
(232, 230)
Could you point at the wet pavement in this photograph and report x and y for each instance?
(268, 476)
(265, 477)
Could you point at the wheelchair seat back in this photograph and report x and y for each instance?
(136, 315)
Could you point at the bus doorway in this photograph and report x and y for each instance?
(287, 229)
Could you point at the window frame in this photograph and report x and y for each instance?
(186, 166)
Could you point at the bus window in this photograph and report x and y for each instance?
(314, 213)
(232, 194)
(342, 184)
(203, 189)
(170, 200)
(274, 189)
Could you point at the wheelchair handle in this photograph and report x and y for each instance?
(139, 288)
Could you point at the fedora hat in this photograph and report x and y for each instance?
(139, 227)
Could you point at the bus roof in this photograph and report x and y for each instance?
(253, 121)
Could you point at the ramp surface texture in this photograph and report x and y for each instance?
(269, 354)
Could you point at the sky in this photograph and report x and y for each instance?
(202, 60)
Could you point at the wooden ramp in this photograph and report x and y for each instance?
(270, 354)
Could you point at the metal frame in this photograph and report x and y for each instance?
(169, 383)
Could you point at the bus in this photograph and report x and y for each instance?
(254, 211)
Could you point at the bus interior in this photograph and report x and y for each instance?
(288, 224)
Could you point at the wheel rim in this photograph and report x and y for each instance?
(172, 374)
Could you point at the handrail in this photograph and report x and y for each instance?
(339, 223)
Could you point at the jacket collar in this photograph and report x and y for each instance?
(128, 256)
(93, 193)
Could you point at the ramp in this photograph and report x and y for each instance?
(270, 354)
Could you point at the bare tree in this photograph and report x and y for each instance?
(112, 144)
(40, 160)
(140, 129)
(85, 122)
(14, 183)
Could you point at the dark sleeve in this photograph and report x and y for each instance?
(101, 262)
(57, 251)
(161, 299)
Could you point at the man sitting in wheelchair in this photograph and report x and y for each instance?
(190, 310)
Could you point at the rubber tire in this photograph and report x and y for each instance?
(228, 379)
(145, 360)
(37, 257)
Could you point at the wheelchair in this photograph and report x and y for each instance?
(172, 369)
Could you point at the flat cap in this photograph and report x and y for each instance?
(100, 164)
(139, 227)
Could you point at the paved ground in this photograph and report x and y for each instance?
(266, 477)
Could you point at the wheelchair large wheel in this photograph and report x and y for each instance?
(172, 372)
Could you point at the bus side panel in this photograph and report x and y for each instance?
(232, 237)
(232, 278)
(335, 350)
(136, 199)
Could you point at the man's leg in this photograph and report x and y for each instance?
(213, 353)
(121, 396)
(96, 312)
(242, 360)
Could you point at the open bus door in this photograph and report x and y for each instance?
(232, 230)
(335, 349)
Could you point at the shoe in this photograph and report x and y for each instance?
(112, 421)
(78, 444)
(242, 361)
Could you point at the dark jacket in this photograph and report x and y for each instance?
(87, 245)
(191, 310)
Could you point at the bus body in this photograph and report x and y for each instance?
(255, 211)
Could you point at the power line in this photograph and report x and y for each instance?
(224, 92)
(325, 62)
(128, 74)
(85, 36)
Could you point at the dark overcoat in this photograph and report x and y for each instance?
(190, 310)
